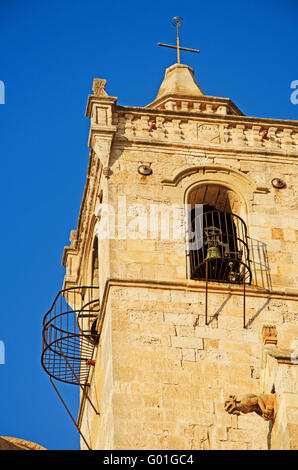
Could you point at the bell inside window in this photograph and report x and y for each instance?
(218, 247)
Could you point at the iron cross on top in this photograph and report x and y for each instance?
(177, 21)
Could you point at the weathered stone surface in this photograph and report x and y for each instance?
(165, 363)
(14, 443)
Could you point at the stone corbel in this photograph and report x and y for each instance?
(256, 139)
(223, 109)
(281, 355)
(101, 145)
(286, 139)
(107, 171)
(269, 334)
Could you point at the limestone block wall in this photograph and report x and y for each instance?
(273, 221)
(169, 373)
(268, 212)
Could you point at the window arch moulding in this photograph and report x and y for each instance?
(187, 179)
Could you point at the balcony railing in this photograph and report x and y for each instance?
(219, 248)
(69, 334)
(69, 340)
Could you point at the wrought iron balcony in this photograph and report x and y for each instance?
(69, 340)
(219, 248)
(69, 335)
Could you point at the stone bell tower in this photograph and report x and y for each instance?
(187, 231)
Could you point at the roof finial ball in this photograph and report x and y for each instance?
(177, 21)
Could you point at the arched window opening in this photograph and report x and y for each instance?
(217, 197)
(218, 248)
(95, 265)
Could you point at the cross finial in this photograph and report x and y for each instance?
(178, 21)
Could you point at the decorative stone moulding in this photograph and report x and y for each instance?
(269, 334)
(107, 171)
(99, 85)
(177, 128)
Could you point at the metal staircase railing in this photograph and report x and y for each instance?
(70, 338)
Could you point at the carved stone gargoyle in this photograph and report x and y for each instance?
(263, 405)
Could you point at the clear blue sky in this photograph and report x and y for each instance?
(50, 53)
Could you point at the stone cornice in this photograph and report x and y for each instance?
(283, 356)
(230, 107)
(157, 145)
(237, 134)
(202, 151)
(101, 100)
(200, 115)
(194, 286)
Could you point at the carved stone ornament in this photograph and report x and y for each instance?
(99, 85)
(208, 133)
(73, 238)
(107, 171)
(263, 405)
(269, 334)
